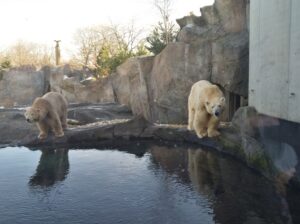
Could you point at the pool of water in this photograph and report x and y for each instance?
(140, 184)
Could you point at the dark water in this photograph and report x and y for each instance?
(150, 184)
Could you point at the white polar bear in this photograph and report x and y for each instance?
(205, 104)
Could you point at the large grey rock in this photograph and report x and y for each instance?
(192, 33)
(232, 14)
(174, 71)
(190, 20)
(20, 86)
(212, 47)
(131, 84)
(78, 90)
(90, 113)
(13, 127)
(230, 62)
(210, 15)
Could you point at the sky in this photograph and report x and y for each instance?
(42, 21)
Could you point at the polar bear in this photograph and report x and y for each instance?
(49, 112)
(205, 105)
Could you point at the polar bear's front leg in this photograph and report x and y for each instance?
(43, 127)
(212, 128)
(200, 123)
(191, 119)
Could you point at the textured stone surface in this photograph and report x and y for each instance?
(78, 90)
(232, 14)
(174, 71)
(90, 113)
(212, 47)
(230, 62)
(20, 86)
(131, 84)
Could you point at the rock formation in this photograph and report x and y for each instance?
(212, 47)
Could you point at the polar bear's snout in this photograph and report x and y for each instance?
(217, 111)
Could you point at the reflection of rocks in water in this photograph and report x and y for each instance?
(280, 138)
(238, 194)
(281, 143)
(282, 155)
(171, 160)
(53, 167)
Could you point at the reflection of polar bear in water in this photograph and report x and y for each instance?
(50, 113)
(53, 167)
(205, 105)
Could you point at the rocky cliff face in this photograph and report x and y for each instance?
(213, 46)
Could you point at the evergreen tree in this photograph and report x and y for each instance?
(160, 37)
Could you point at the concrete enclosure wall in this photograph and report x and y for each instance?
(274, 77)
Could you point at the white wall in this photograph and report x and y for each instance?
(274, 77)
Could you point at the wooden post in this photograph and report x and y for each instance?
(57, 53)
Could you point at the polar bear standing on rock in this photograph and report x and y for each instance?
(206, 103)
(50, 113)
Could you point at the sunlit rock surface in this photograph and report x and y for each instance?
(20, 86)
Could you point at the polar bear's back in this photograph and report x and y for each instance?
(204, 87)
(57, 101)
(199, 86)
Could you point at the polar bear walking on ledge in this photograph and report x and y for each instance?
(205, 104)
(49, 113)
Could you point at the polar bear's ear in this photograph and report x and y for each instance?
(222, 99)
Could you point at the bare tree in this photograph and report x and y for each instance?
(164, 8)
(128, 37)
(27, 53)
(115, 38)
(89, 41)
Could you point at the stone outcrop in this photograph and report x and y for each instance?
(73, 85)
(20, 86)
(131, 85)
(212, 47)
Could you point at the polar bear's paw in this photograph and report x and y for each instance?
(213, 133)
(201, 133)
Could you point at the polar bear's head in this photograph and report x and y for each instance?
(215, 106)
(33, 114)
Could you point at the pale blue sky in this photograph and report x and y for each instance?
(42, 21)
